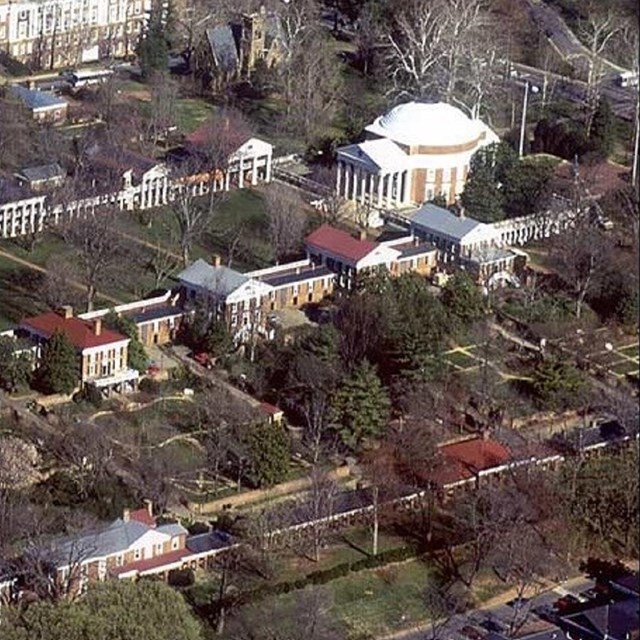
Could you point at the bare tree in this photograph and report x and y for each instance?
(580, 255)
(310, 395)
(286, 220)
(442, 603)
(316, 507)
(416, 47)
(98, 249)
(209, 155)
(597, 30)
(162, 264)
(312, 86)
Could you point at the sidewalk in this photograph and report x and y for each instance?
(37, 267)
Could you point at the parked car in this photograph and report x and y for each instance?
(517, 602)
(203, 359)
(566, 603)
(471, 632)
(493, 625)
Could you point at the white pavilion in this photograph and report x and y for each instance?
(413, 153)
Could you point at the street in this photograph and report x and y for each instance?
(497, 616)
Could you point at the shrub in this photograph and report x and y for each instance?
(150, 386)
(181, 578)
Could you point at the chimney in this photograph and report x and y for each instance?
(149, 505)
(215, 261)
(66, 311)
(126, 515)
(97, 326)
(362, 235)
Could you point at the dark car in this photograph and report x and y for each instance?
(517, 603)
(492, 625)
(471, 632)
(566, 603)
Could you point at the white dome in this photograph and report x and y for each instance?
(429, 124)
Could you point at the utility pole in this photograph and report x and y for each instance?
(523, 122)
(375, 520)
(634, 170)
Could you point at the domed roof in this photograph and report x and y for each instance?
(429, 124)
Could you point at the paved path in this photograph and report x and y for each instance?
(37, 267)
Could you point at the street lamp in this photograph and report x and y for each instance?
(523, 123)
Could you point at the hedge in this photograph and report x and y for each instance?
(320, 577)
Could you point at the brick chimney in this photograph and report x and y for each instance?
(66, 311)
(149, 505)
(126, 515)
(215, 261)
(97, 326)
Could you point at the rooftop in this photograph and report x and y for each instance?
(34, 99)
(340, 243)
(219, 280)
(431, 124)
(80, 333)
(42, 172)
(290, 276)
(223, 47)
(430, 217)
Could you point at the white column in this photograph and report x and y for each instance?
(338, 177)
(363, 185)
(370, 188)
(240, 175)
(226, 179)
(389, 188)
(254, 171)
(380, 185)
(267, 175)
(354, 186)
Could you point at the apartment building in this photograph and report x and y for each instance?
(348, 256)
(49, 34)
(102, 353)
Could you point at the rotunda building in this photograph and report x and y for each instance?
(411, 154)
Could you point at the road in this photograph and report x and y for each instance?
(623, 100)
(562, 38)
(497, 615)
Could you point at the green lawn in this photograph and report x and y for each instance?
(460, 359)
(626, 367)
(364, 604)
(632, 350)
(244, 207)
(192, 113)
(20, 296)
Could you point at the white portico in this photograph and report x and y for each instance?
(415, 152)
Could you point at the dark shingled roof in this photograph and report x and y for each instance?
(42, 172)
(37, 99)
(280, 279)
(223, 47)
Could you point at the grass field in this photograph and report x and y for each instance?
(19, 297)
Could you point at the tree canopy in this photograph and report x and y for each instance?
(361, 406)
(114, 610)
(269, 453)
(15, 364)
(126, 326)
(58, 371)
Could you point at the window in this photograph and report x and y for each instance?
(137, 554)
(159, 549)
(175, 543)
(119, 560)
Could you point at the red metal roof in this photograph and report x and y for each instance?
(269, 409)
(340, 243)
(142, 515)
(148, 564)
(79, 332)
(463, 460)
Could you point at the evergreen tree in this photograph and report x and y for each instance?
(117, 609)
(558, 385)
(268, 452)
(15, 364)
(463, 299)
(137, 356)
(361, 406)
(58, 371)
(603, 129)
(218, 340)
(153, 47)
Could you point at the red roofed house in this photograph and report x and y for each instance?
(466, 461)
(347, 256)
(102, 353)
